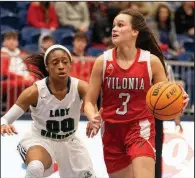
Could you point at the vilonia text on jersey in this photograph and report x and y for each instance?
(133, 83)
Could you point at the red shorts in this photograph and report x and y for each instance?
(122, 142)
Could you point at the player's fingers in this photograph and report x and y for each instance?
(181, 88)
(95, 125)
(88, 129)
(94, 133)
(88, 133)
(186, 101)
(9, 128)
(185, 96)
(2, 131)
(96, 120)
(13, 129)
(9, 131)
(88, 125)
(181, 130)
(185, 104)
(91, 133)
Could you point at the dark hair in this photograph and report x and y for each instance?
(47, 38)
(157, 19)
(35, 65)
(10, 34)
(145, 39)
(80, 35)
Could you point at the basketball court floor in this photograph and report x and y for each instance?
(178, 152)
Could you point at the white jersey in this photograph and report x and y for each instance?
(53, 115)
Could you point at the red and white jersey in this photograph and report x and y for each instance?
(124, 90)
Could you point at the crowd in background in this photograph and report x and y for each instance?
(85, 29)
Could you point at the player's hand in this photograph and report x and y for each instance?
(178, 128)
(8, 129)
(186, 99)
(89, 130)
(95, 123)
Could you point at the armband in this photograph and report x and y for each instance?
(13, 114)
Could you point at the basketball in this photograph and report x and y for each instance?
(165, 100)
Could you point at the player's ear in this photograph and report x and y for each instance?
(135, 33)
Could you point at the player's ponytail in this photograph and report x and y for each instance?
(35, 65)
(145, 39)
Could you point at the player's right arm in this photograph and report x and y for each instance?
(28, 97)
(93, 92)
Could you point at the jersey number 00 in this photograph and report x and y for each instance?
(65, 125)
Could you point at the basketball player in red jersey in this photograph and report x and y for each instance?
(124, 75)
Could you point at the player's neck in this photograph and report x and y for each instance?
(126, 53)
(58, 85)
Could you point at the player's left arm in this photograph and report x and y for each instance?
(159, 75)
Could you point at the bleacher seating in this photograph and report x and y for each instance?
(30, 35)
(11, 6)
(10, 19)
(94, 51)
(14, 16)
(31, 48)
(5, 28)
(62, 33)
(22, 5)
(22, 14)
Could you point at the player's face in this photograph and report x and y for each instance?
(122, 31)
(58, 64)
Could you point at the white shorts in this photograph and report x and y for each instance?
(70, 154)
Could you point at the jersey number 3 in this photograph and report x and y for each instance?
(123, 110)
(65, 125)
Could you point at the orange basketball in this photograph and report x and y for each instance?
(165, 100)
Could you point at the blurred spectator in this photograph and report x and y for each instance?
(124, 5)
(14, 76)
(156, 4)
(133, 6)
(164, 30)
(45, 41)
(42, 15)
(103, 24)
(79, 44)
(184, 19)
(82, 63)
(73, 14)
(143, 7)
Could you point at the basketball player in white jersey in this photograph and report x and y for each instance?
(55, 103)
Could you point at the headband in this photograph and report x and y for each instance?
(56, 47)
